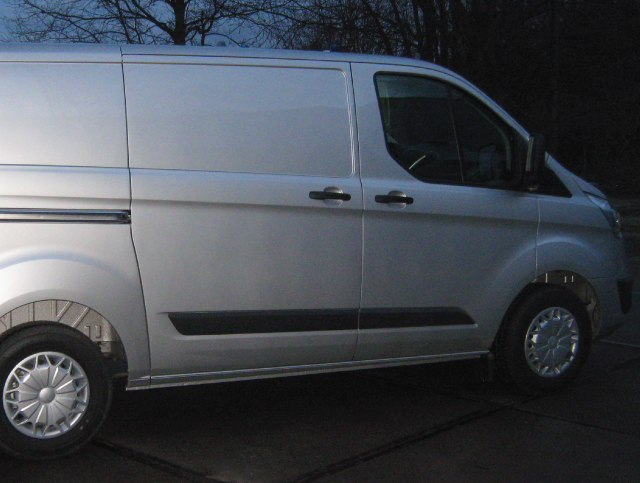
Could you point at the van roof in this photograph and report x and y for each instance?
(43, 52)
(170, 50)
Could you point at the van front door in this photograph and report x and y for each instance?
(447, 243)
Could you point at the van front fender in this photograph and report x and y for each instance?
(594, 256)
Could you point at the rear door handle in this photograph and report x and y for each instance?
(393, 198)
(329, 195)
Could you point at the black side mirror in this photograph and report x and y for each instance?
(536, 155)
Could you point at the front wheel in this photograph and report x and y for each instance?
(545, 340)
(56, 392)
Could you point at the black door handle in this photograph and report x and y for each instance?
(394, 199)
(329, 195)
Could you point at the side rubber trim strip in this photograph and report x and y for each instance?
(64, 216)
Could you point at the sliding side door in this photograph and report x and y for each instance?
(246, 213)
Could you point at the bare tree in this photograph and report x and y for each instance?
(177, 22)
(567, 68)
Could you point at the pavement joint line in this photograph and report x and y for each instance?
(573, 421)
(155, 462)
(493, 408)
(394, 445)
(623, 344)
(619, 366)
(625, 364)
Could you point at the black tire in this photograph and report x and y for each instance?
(523, 340)
(81, 358)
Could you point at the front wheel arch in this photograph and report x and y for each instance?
(524, 357)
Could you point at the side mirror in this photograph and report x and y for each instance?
(536, 155)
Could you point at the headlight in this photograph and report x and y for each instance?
(612, 216)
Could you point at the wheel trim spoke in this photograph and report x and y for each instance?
(29, 410)
(551, 342)
(58, 376)
(46, 395)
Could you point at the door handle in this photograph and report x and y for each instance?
(329, 195)
(394, 198)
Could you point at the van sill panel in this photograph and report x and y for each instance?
(175, 380)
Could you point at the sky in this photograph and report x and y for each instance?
(4, 10)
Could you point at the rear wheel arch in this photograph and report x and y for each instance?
(77, 317)
(63, 375)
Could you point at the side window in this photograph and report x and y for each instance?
(439, 134)
(418, 126)
(484, 144)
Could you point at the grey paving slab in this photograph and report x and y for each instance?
(92, 465)
(605, 356)
(461, 379)
(457, 379)
(629, 333)
(509, 446)
(274, 430)
(590, 431)
(632, 240)
(609, 400)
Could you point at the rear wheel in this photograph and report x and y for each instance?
(56, 392)
(545, 341)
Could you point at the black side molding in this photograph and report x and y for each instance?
(413, 317)
(263, 321)
(283, 321)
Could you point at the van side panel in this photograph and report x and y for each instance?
(65, 193)
(62, 114)
(239, 118)
(241, 268)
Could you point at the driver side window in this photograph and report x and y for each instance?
(439, 134)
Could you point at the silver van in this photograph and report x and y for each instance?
(176, 215)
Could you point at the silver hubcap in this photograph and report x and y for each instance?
(46, 395)
(552, 342)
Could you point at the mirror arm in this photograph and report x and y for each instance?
(536, 155)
